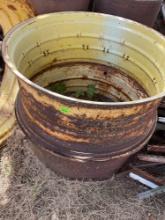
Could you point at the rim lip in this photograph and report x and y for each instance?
(14, 69)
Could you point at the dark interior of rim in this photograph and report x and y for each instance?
(90, 81)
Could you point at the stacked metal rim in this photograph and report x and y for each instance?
(78, 138)
(143, 11)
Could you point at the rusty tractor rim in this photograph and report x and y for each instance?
(66, 151)
(160, 38)
(123, 58)
(33, 136)
(81, 167)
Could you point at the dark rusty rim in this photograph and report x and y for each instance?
(100, 159)
(34, 137)
(13, 68)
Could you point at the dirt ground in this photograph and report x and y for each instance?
(29, 191)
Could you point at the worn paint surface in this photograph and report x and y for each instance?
(81, 49)
(11, 13)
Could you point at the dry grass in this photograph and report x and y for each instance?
(29, 191)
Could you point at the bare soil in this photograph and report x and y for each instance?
(29, 191)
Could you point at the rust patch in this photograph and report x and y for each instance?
(11, 7)
(82, 133)
(80, 166)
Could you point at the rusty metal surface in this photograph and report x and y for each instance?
(156, 148)
(151, 158)
(143, 11)
(82, 128)
(153, 172)
(80, 145)
(77, 168)
(98, 149)
(78, 134)
(42, 6)
(80, 131)
(80, 165)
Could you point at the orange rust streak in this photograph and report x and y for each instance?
(68, 123)
(60, 136)
(129, 133)
(63, 119)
